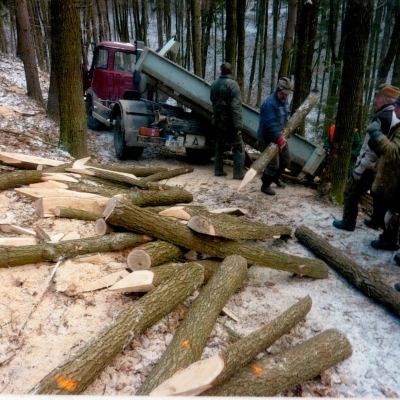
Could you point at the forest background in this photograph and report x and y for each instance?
(343, 49)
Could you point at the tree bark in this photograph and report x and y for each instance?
(167, 174)
(78, 372)
(73, 213)
(272, 375)
(205, 374)
(153, 254)
(138, 219)
(192, 334)
(372, 283)
(129, 169)
(11, 257)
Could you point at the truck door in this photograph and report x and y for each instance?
(124, 86)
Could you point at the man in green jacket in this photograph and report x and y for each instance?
(227, 121)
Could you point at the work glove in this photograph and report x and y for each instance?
(373, 126)
(357, 175)
(281, 142)
(391, 219)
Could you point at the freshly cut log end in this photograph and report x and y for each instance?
(100, 227)
(138, 260)
(138, 281)
(202, 225)
(250, 174)
(175, 212)
(192, 380)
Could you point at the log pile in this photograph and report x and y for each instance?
(158, 226)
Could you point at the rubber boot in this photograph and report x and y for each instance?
(266, 186)
(238, 165)
(219, 158)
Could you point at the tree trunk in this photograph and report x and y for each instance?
(153, 254)
(271, 375)
(133, 218)
(78, 372)
(11, 257)
(373, 283)
(192, 334)
(195, 6)
(231, 37)
(209, 373)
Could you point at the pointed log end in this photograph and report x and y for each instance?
(250, 174)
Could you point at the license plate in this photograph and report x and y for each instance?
(174, 141)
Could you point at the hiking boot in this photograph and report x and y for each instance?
(267, 190)
(221, 174)
(340, 224)
(371, 224)
(378, 245)
(397, 258)
(280, 184)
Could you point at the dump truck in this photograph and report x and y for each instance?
(128, 88)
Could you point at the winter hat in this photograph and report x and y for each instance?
(285, 85)
(397, 101)
(389, 91)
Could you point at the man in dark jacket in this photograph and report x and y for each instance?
(365, 167)
(274, 114)
(227, 121)
(387, 180)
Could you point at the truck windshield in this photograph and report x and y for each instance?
(124, 61)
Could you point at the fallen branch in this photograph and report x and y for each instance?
(75, 374)
(192, 334)
(210, 372)
(271, 375)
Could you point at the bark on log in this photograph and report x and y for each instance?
(11, 257)
(208, 373)
(152, 254)
(272, 375)
(167, 174)
(146, 280)
(129, 169)
(41, 235)
(79, 371)
(17, 178)
(230, 227)
(137, 219)
(272, 149)
(371, 283)
(73, 213)
(192, 334)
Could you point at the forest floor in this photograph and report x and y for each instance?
(43, 321)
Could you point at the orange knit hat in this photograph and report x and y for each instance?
(390, 91)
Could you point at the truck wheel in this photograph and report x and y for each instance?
(121, 151)
(199, 156)
(92, 122)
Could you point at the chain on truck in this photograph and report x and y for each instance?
(119, 97)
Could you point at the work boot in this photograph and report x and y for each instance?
(371, 223)
(238, 162)
(378, 245)
(397, 258)
(267, 190)
(238, 176)
(280, 184)
(340, 224)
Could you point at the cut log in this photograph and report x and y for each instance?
(146, 280)
(184, 213)
(34, 193)
(41, 235)
(103, 282)
(46, 206)
(230, 211)
(132, 218)
(59, 177)
(68, 249)
(153, 254)
(372, 283)
(128, 169)
(271, 375)
(167, 174)
(8, 228)
(75, 374)
(210, 372)
(192, 334)
(272, 149)
(49, 185)
(102, 228)
(57, 237)
(26, 162)
(72, 213)
(18, 241)
(144, 198)
(71, 236)
(176, 212)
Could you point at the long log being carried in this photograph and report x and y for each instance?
(269, 153)
(132, 218)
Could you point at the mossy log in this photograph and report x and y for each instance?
(192, 334)
(129, 169)
(152, 254)
(372, 283)
(212, 371)
(73, 213)
(167, 174)
(132, 218)
(146, 280)
(271, 375)
(13, 256)
(75, 374)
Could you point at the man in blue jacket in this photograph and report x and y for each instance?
(274, 114)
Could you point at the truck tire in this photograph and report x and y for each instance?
(92, 123)
(122, 151)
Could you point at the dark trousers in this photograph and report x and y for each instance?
(277, 166)
(224, 141)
